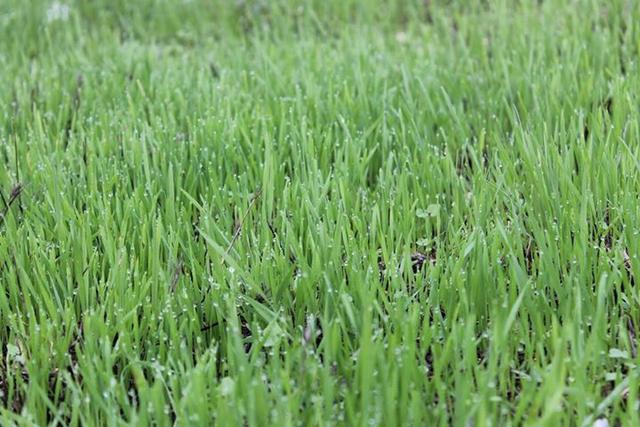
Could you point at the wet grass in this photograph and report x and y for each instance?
(319, 212)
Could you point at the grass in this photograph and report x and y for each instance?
(337, 212)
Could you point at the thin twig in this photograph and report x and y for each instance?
(631, 331)
(236, 234)
(207, 327)
(15, 194)
(177, 272)
(15, 152)
(4, 200)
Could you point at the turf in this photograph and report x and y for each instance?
(320, 212)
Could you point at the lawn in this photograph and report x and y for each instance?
(319, 212)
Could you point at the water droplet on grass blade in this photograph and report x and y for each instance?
(431, 211)
(227, 386)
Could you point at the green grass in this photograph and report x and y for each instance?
(320, 212)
